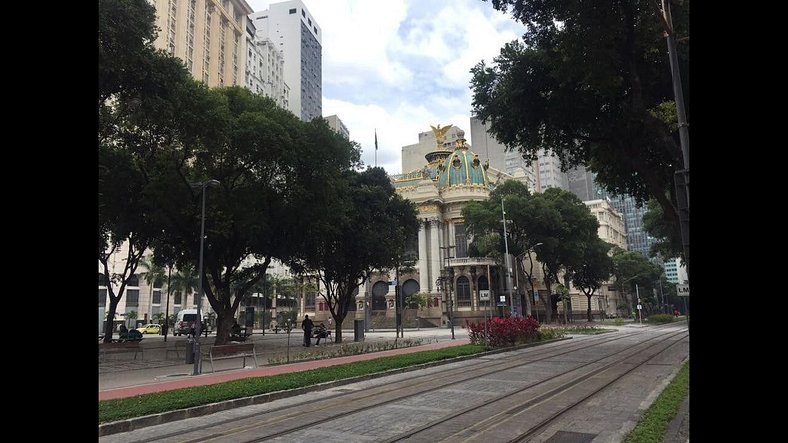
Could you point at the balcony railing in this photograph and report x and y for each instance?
(472, 261)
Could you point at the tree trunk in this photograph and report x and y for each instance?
(224, 324)
(113, 306)
(590, 318)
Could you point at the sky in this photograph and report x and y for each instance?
(399, 66)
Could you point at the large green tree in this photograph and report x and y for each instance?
(591, 82)
(144, 95)
(555, 224)
(594, 269)
(280, 178)
(635, 274)
(371, 232)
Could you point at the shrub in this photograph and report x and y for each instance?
(660, 318)
(506, 331)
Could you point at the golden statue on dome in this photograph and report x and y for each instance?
(440, 134)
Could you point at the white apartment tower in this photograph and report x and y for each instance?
(295, 33)
(265, 68)
(208, 35)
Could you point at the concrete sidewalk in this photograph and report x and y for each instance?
(157, 370)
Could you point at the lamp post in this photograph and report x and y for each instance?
(444, 283)
(447, 279)
(508, 262)
(196, 343)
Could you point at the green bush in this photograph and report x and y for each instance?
(660, 318)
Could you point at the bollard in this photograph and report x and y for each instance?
(358, 330)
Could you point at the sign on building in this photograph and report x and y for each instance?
(682, 290)
(484, 295)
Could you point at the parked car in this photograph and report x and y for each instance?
(150, 329)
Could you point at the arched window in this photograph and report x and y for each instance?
(379, 291)
(410, 287)
(463, 292)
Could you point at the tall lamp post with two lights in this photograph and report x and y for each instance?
(196, 343)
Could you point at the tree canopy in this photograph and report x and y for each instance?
(591, 82)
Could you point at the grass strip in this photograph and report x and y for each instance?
(155, 403)
(655, 421)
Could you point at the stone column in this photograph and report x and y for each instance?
(436, 254)
(424, 276)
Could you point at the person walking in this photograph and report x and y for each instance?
(307, 326)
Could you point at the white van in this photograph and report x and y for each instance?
(185, 321)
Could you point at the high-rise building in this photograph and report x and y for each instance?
(294, 31)
(265, 68)
(489, 148)
(413, 155)
(336, 124)
(637, 237)
(208, 35)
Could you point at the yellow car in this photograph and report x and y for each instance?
(150, 329)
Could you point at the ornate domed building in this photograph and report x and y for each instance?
(456, 285)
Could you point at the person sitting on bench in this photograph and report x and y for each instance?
(320, 332)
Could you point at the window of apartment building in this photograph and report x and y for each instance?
(177, 299)
(102, 295)
(310, 21)
(132, 297)
(102, 279)
(157, 291)
(463, 292)
(292, 11)
(302, 13)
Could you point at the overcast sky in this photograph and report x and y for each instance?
(402, 65)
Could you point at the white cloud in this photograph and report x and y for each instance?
(402, 65)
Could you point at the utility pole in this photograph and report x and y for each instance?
(681, 177)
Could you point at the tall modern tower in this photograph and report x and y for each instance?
(294, 31)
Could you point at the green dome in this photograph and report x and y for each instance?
(462, 168)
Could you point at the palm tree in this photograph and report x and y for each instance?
(185, 282)
(152, 273)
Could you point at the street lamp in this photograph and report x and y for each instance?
(508, 262)
(196, 343)
(444, 283)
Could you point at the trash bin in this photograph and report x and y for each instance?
(189, 351)
(358, 330)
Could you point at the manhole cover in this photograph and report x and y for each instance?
(570, 437)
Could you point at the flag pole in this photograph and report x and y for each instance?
(376, 147)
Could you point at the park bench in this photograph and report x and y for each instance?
(120, 348)
(178, 347)
(235, 350)
(327, 338)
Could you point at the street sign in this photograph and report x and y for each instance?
(682, 290)
(640, 307)
(484, 295)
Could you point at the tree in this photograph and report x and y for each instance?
(556, 219)
(595, 269)
(369, 233)
(633, 271)
(591, 82)
(153, 273)
(184, 282)
(143, 96)
(279, 179)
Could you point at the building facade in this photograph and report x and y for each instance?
(456, 285)
(294, 32)
(265, 68)
(336, 124)
(208, 35)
